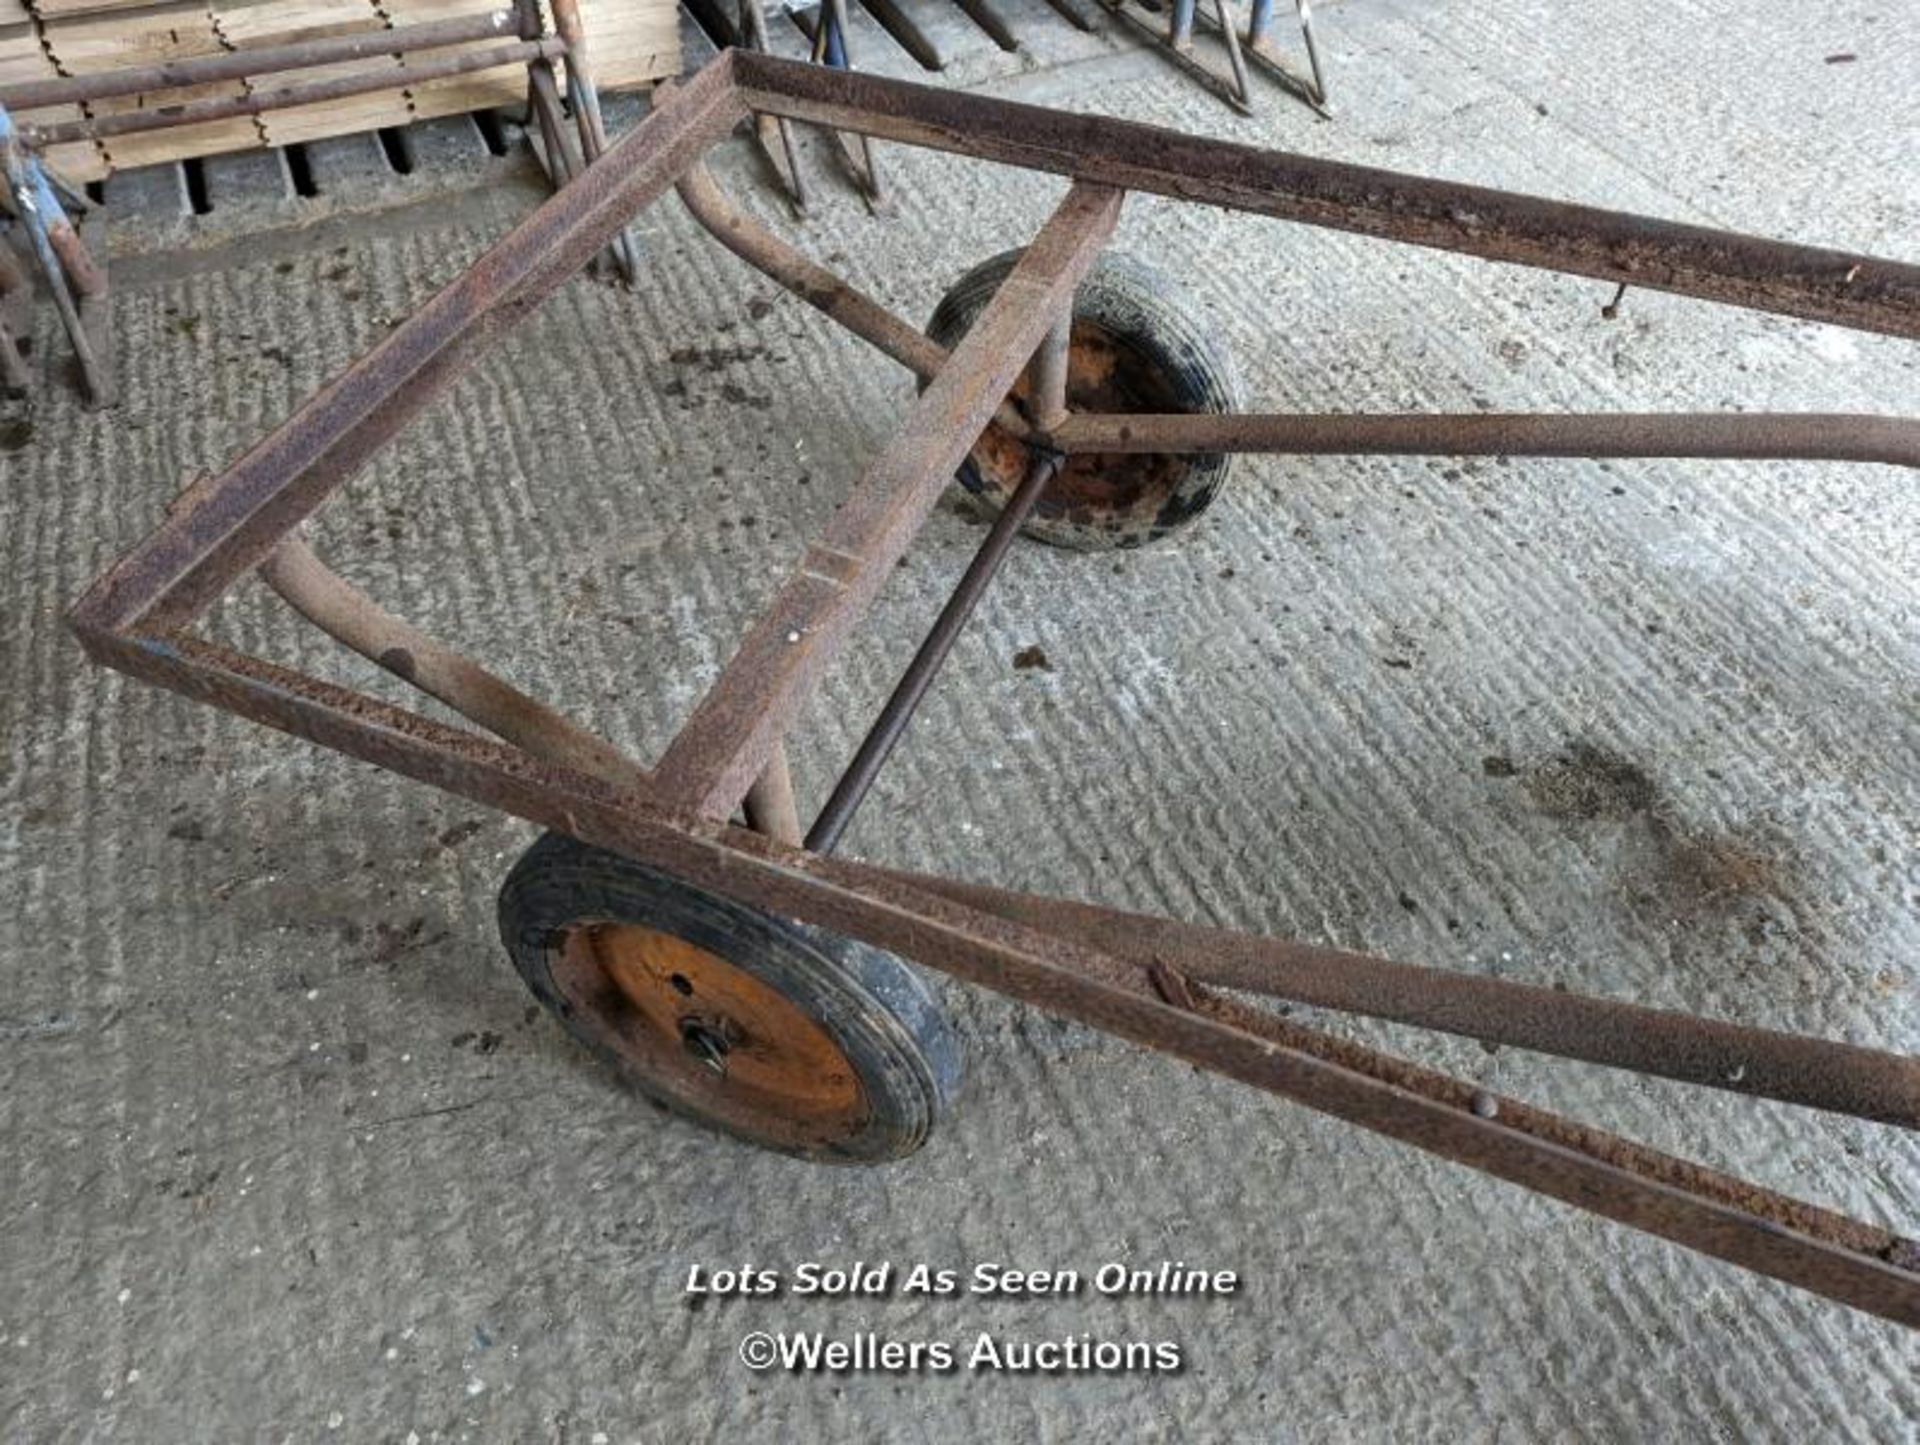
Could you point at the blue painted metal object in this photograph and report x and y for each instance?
(33, 205)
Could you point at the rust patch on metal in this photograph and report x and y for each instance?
(1105, 376)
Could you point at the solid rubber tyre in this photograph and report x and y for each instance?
(779, 1033)
(1137, 346)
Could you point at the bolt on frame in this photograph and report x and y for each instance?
(1151, 980)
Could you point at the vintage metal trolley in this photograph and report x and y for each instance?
(749, 977)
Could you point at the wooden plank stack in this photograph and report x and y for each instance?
(24, 59)
(631, 42)
(282, 22)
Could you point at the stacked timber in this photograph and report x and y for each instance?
(24, 60)
(632, 43)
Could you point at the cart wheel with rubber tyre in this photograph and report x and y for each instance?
(779, 1033)
(1136, 345)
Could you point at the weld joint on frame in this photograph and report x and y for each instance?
(832, 566)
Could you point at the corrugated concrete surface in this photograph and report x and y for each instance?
(290, 1155)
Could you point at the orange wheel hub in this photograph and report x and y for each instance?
(708, 1032)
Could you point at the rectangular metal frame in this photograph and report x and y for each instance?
(1150, 980)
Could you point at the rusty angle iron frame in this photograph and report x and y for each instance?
(1151, 980)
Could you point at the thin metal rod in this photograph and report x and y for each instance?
(593, 142)
(894, 718)
(586, 109)
(346, 614)
(564, 161)
(1805, 436)
(1264, 52)
(558, 141)
(1171, 35)
(827, 30)
(774, 133)
(1180, 24)
(40, 212)
(437, 67)
(1229, 26)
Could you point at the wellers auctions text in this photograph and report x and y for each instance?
(811, 1279)
(985, 1353)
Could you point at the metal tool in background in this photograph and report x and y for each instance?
(1009, 383)
(824, 25)
(73, 279)
(1168, 24)
(584, 100)
(572, 134)
(828, 24)
(1170, 27)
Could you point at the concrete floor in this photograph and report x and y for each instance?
(290, 1155)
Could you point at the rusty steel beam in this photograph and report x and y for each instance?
(1864, 292)
(731, 733)
(1844, 1259)
(1805, 436)
(226, 527)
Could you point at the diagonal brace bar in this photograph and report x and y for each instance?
(731, 734)
(891, 725)
(348, 615)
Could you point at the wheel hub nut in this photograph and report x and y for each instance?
(706, 1043)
